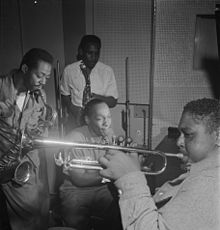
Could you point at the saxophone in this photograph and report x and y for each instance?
(14, 146)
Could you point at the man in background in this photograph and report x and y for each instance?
(86, 79)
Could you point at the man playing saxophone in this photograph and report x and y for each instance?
(23, 109)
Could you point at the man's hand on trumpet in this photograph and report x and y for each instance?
(116, 164)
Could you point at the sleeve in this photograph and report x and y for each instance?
(112, 89)
(193, 207)
(6, 106)
(64, 87)
(138, 210)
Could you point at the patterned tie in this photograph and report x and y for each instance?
(87, 89)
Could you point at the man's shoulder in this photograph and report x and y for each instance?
(73, 65)
(71, 70)
(103, 66)
(78, 134)
(6, 78)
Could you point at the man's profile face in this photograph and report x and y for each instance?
(99, 119)
(91, 55)
(36, 78)
(195, 140)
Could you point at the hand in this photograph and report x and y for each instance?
(116, 164)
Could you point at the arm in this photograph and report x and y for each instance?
(81, 177)
(6, 106)
(111, 92)
(138, 210)
(193, 205)
(84, 178)
(65, 88)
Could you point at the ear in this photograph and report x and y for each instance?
(24, 68)
(80, 54)
(86, 120)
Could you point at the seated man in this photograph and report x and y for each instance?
(189, 202)
(83, 194)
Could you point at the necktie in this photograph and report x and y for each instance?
(87, 89)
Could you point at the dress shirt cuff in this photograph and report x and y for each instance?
(132, 184)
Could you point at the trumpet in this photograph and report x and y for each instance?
(91, 164)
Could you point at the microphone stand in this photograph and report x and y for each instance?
(126, 113)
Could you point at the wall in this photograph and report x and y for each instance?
(125, 28)
(175, 80)
(10, 42)
(74, 27)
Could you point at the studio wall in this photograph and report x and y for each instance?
(175, 80)
(125, 28)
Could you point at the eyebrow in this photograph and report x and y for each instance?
(185, 129)
(43, 74)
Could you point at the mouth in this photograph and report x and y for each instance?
(37, 86)
(92, 63)
(185, 158)
(105, 131)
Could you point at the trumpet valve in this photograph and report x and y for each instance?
(120, 141)
(128, 141)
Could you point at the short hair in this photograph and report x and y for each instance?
(87, 39)
(87, 111)
(33, 56)
(205, 110)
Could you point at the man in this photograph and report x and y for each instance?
(86, 79)
(84, 196)
(23, 109)
(192, 200)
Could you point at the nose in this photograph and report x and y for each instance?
(94, 56)
(43, 80)
(180, 141)
(106, 122)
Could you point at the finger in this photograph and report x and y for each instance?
(110, 153)
(106, 173)
(109, 156)
(134, 144)
(104, 161)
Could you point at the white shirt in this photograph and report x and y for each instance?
(102, 82)
(20, 100)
